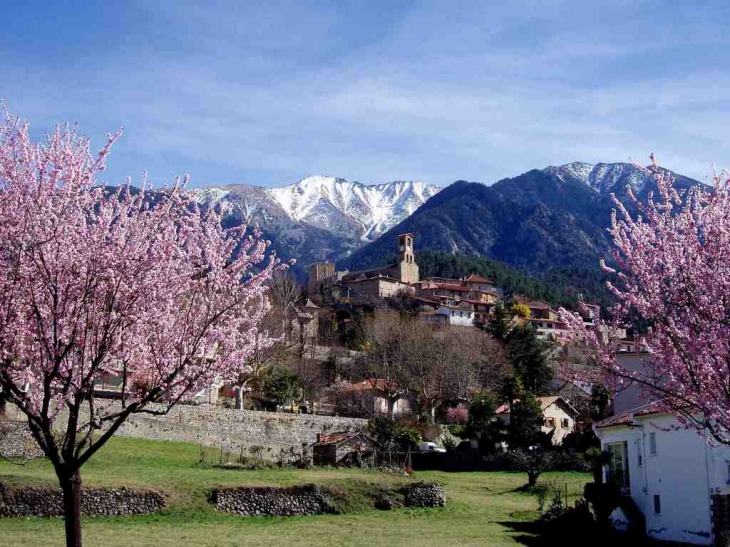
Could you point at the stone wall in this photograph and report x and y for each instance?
(424, 495)
(307, 499)
(16, 440)
(237, 430)
(29, 501)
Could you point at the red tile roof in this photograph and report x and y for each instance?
(626, 418)
(451, 287)
(473, 278)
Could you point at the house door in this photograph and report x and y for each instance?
(618, 466)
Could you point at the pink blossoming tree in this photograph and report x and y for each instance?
(673, 274)
(98, 281)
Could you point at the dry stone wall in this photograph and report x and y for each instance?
(309, 499)
(238, 430)
(29, 501)
(16, 440)
(424, 495)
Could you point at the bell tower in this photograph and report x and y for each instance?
(407, 267)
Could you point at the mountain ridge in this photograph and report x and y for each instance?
(318, 217)
(541, 220)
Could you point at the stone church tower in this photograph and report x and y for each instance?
(407, 267)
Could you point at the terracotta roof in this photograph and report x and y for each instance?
(627, 418)
(473, 278)
(335, 438)
(452, 287)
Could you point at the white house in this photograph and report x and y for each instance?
(461, 315)
(678, 478)
(558, 417)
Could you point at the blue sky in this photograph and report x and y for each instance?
(267, 93)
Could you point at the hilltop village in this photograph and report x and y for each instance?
(470, 301)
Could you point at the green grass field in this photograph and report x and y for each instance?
(481, 509)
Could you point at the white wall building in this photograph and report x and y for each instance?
(462, 316)
(558, 417)
(673, 474)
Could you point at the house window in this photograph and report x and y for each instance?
(549, 422)
(652, 444)
(566, 423)
(618, 465)
(657, 504)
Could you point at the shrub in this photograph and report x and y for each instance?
(458, 415)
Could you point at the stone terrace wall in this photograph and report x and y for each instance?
(30, 501)
(307, 499)
(237, 430)
(424, 495)
(16, 440)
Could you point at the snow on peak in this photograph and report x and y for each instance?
(603, 177)
(330, 202)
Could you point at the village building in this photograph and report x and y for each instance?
(546, 321)
(677, 477)
(346, 448)
(381, 282)
(559, 417)
(576, 392)
(461, 315)
(481, 284)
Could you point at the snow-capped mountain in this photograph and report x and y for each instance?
(543, 220)
(318, 218)
(605, 178)
(327, 202)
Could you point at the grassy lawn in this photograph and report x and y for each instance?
(481, 509)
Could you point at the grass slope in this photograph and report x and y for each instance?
(482, 508)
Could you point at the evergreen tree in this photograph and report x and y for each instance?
(527, 355)
(526, 421)
(499, 323)
(482, 423)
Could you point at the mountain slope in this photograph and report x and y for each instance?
(318, 218)
(541, 220)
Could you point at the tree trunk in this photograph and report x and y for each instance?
(391, 407)
(531, 477)
(240, 397)
(71, 487)
(3, 404)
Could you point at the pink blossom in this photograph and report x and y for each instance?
(98, 280)
(673, 273)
